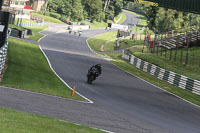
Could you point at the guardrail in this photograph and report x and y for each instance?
(168, 76)
(3, 54)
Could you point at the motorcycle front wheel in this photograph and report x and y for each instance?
(90, 79)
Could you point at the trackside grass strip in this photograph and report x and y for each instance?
(19, 122)
(160, 83)
(28, 69)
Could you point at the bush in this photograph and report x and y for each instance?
(55, 15)
(47, 14)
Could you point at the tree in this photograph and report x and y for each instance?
(77, 10)
(94, 9)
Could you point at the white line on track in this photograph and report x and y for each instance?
(90, 127)
(89, 101)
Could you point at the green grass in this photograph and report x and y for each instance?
(17, 27)
(175, 66)
(20, 122)
(106, 40)
(29, 70)
(123, 18)
(35, 29)
(98, 25)
(35, 36)
(103, 25)
(50, 19)
(25, 21)
(162, 84)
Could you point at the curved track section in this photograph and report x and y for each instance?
(123, 103)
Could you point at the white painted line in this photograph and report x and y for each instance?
(38, 93)
(141, 78)
(57, 74)
(90, 127)
(42, 38)
(61, 78)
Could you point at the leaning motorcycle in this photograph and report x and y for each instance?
(91, 76)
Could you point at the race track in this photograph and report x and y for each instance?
(123, 103)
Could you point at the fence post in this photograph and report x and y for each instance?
(192, 59)
(187, 43)
(175, 55)
(170, 57)
(199, 62)
(181, 56)
(157, 50)
(165, 53)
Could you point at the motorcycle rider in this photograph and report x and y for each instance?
(95, 70)
(79, 32)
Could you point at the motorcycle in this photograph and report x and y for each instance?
(92, 74)
(80, 32)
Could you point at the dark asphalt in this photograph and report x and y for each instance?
(122, 102)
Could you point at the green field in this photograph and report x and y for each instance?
(104, 42)
(20, 122)
(28, 69)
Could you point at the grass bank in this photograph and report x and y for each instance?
(20, 122)
(178, 66)
(49, 19)
(35, 35)
(104, 42)
(29, 70)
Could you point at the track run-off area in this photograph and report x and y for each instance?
(122, 103)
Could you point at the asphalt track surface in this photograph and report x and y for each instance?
(123, 103)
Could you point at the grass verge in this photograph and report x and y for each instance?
(29, 70)
(50, 19)
(162, 84)
(165, 62)
(123, 18)
(20, 122)
(103, 42)
(16, 27)
(35, 29)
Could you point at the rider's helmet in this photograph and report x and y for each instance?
(98, 65)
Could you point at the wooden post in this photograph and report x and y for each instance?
(192, 59)
(170, 57)
(73, 91)
(175, 55)
(187, 54)
(181, 55)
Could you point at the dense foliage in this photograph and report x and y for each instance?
(77, 10)
(163, 20)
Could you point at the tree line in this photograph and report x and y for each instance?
(162, 20)
(78, 10)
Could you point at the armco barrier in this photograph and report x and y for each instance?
(168, 76)
(3, 54)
